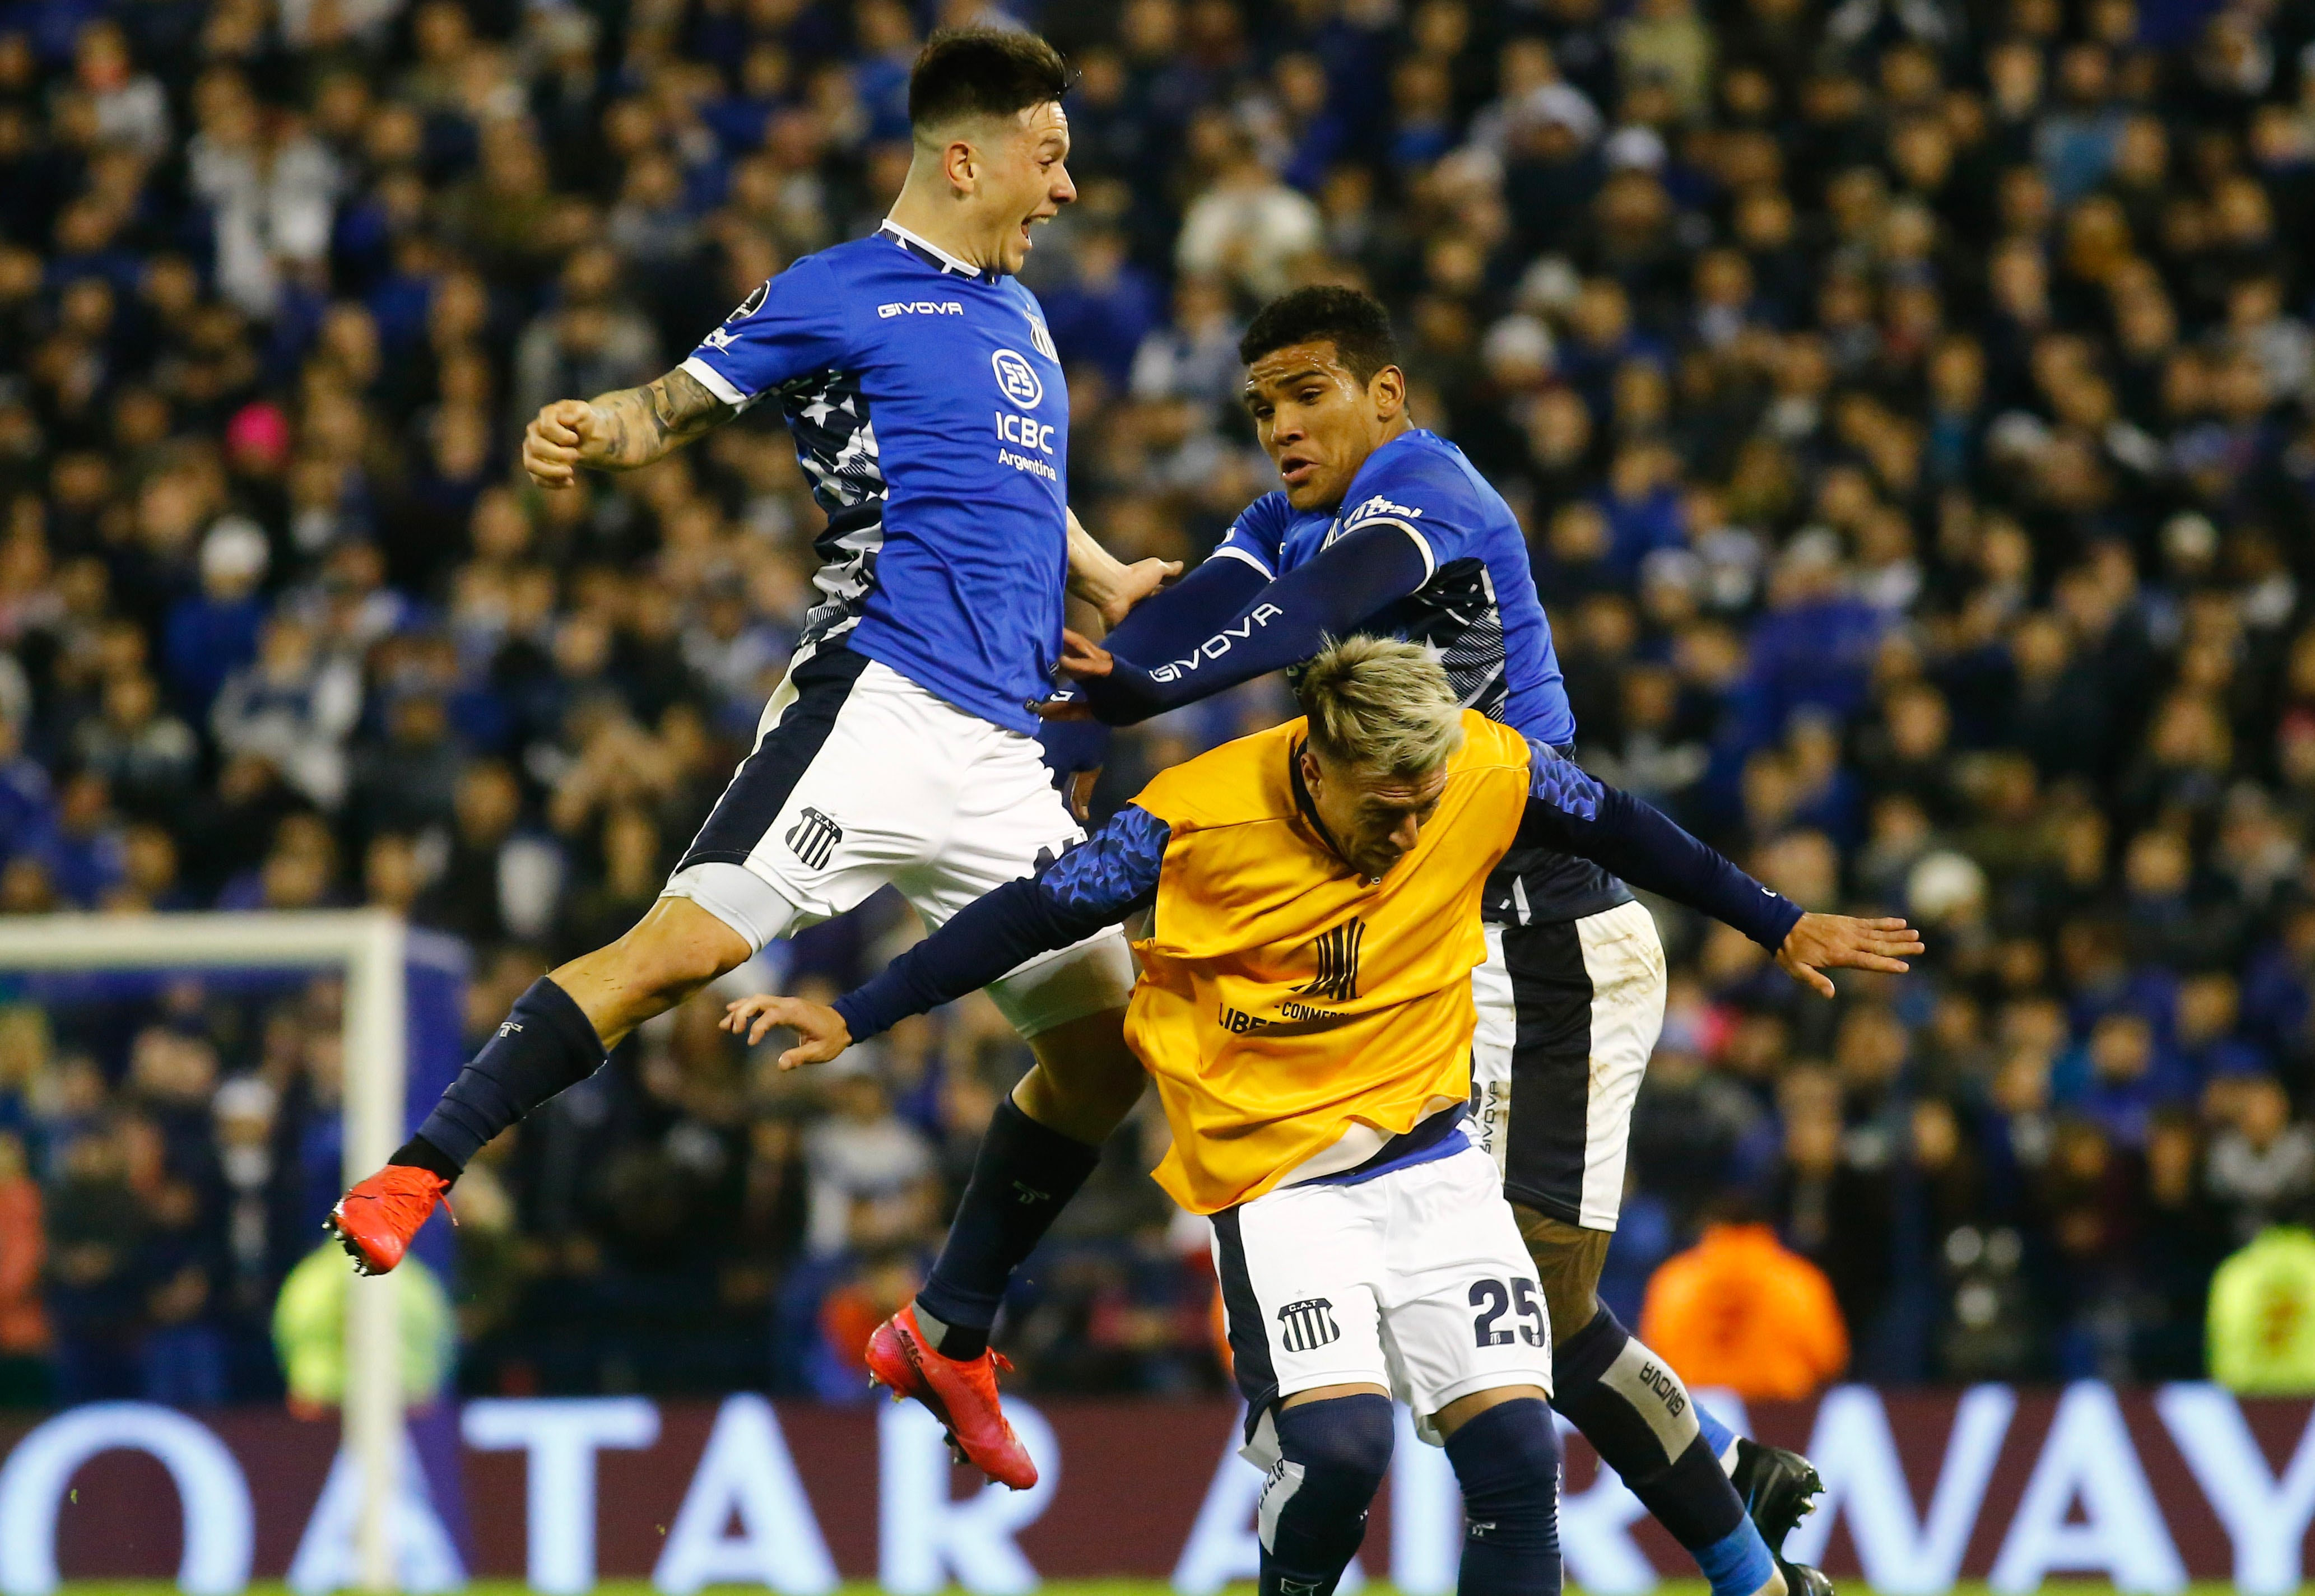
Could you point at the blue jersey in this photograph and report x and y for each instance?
(947, 547)
(1477, 605)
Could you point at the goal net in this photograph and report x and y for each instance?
(189, 1017)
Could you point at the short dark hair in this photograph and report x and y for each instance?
(983, 72)
(1352, 319)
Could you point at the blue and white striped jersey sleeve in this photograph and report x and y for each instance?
(790, 326)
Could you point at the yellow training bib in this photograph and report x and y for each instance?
(1283, 997)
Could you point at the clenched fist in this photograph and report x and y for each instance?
(558, 439)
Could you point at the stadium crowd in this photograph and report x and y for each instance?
(1911, 404)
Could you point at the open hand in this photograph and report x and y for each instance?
(556, 439)
(820, 1032)
(1821, 941)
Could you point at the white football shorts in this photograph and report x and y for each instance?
(861, 778)
(1414, 1280)
(1568, 1016)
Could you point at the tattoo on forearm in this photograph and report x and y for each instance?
(646, 423)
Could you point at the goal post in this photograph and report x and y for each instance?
(371, 947)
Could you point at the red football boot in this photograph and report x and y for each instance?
(376, 1221)
(960, 1392)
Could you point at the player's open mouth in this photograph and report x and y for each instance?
(1293, 470)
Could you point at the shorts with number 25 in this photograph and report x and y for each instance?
(1413, 1278)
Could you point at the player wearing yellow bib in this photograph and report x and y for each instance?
(1305, 1007)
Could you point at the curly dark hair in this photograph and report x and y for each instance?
(1353, 319)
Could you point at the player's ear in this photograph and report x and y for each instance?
(1387, 388)
(960, 164)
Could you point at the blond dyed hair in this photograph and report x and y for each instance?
(1382, 704)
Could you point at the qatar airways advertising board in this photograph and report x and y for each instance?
(2147, 1488)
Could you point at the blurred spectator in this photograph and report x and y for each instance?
(1740, 1310)
(860, 1157)
(24, 1256)
(214, 632)
(497, 881)
(2262, 1164)
(2262, 1327)
(147, 758)
(293, 705)
(96, 1228)
(309, 1332)
(1100, 316)
(1247, 227)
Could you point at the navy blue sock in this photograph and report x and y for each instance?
(1024, 1175)
(1332, 1457)
(1638, 1416)
(545, 1045)
(1507, 1461)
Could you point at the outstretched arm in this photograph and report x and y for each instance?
(620, 430)
(1097, 883)
(1574, 812)
(1226, 625)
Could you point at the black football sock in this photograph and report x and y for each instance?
(1507, 1461)
(547, 1043)
(1638, 1416)
(1333, 1456)
(418, 1153)
(1024, 1175)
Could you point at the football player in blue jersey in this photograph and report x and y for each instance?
(1382, 527)
(929, 411)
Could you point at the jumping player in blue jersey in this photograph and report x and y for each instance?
(931, 415)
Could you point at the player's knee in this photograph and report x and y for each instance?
(1571, 1307)
(1086, 1081)
(1568, 1260)
(1343, 1443)
(675, 949)
(1507, 1461)
(1332, 1456)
